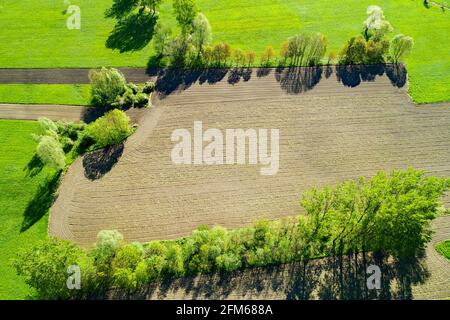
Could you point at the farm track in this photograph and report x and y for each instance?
(64, 75)
(328, 133)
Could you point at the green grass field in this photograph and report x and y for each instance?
(36, 35)
(444, 248)
(45, 94)
(19, 198)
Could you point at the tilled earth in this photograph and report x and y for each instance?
(333, 127)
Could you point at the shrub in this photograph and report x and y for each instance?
(107, 85)
(51, 153)
(400, 47)
(44, 267)
(110, 129)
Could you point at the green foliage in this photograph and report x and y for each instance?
(161, 39)
(376, 27)
(185, 13)
(400, 47)
(106, 85)
(201, 32)
(51, 153)
(44, 267)
(110, 129)
(360, 51)
(305, 49)
(388, 214)
(444, 248)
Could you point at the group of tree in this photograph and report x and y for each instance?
(389, 214)
(372, 46)
(109, 90)
(55, 140)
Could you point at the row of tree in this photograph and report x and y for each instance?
(192, 47)
(388, 214)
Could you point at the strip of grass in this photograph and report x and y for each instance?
(45, 94)
(37, 36)
(21, 197)
(444, 248)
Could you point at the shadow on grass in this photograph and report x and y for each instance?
(41, 202)
(34, 167)
(132, 33)
(334, 278)
(98, 163)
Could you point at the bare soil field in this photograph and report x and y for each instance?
(334, 126)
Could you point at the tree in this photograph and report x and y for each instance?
(174, 260)
(220, 53)
(110, 129)
(284, 51)
(161, 40)
(122, 8)
(106, 85)
(128, 256)
(185, 13)
(317, 47)
(51, 153)
(354, 51)
(400, 47)
(297, 48)
(44, 267)
(201, 32)
(376, 27)
(239, 57)
(267, 55)
(250, 57)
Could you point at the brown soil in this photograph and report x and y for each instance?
(328, 133)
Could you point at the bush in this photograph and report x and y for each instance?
(44, 267)
(360, 51)
(110, 129)
(400, 47)
(107, 85)
(51, 153)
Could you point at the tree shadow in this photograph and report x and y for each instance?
(90, 114)
(98, 163)
(263, 72)
(236, 74)
(33, 167)
(41, 202)
(342, 277)
(352, 75)
(296, 80)
(132, 33)
(397, 74)
(174, 80)
(119, 9)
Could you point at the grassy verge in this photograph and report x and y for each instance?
(45, 94)
(21, 198)
(444, 248)
(37, 35)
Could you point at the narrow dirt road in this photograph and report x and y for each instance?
(65, 76)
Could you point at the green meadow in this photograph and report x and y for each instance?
(22, 194)
(78, 94)
(37, 37)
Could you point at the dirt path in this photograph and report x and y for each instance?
(56, 112)
(65, 76)
(328, 133)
